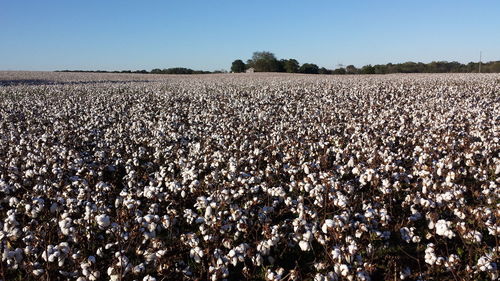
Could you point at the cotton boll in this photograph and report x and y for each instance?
(138, 269)
(38, 272)
(208, 212)
(103, 220)
(100, 252)
(442, 229)
(196, 253)
(342, 269)
(65, 225)
(148, 278)
(304, 245)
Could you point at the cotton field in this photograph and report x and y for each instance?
(251, 176)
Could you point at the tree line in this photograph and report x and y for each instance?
(267, 62)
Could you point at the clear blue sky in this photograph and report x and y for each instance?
(209, 35)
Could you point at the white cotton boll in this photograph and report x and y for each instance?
(65, 225)
(405, 234)
(307, 170)
(328, 224)
(94, 276)
(196, 253)
(258, 260)
(149, 218)
(103, 220)
(264, 247)
(356, 171)
(138, 268)
(473, 236)
(439, 171)
(100, 252)
(370, 213)
(52, 258)
(307, 236)
(442, 229)
(304, 245)
(431, 225)
(160, 253)
(29, 173)
(344, 270)
(320, 277)
(208, 212)
(13, 201)
(453, 258)
(85, 272)
(459, 214)
(477, 236)
(307, 187)
(270, 275)
(38, 272)
(352, 249)
(336, 254)
(484, 263)
(430, 256)
(148, 278)
(280, 271)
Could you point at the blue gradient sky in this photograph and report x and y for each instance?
(117, 35)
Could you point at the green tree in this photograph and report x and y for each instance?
(367, 69)
(291, 65)
(339, 71)
(351, 69)
(309, 68)
(264, 62)
(238, 66)
(494, 67)
(325, 71)
(380, 69)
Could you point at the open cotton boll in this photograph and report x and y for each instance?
(148, 278)
(196, 253)
(328, 224)
(304, 245)
(38, 272)
(103, 220)
(442, 228)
